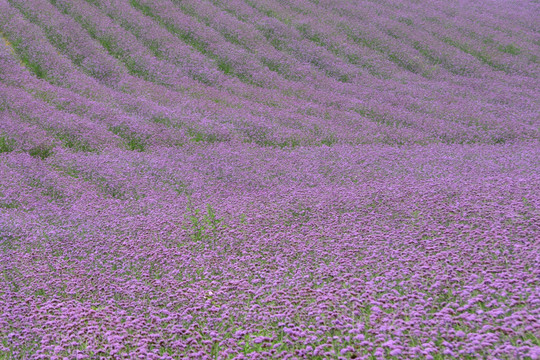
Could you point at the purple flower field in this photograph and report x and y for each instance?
(269, 179)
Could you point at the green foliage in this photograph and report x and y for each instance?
(344, 78)
(274, 66)
(373, 44)
(145, 9)
(155, 47)
(9, 205)
(329, 140)
(136, 143)
(53, 193)
(73, 141)
(72, 171)
(203, 78)
(404, 63)
(114, 49)
(286, 143)
(201, 136)
(136, 69)
(480, 55)
(270, 35)
(309, 34)
(277, 43)
(41, 151)
(46, 96)
(510, 49)
(111, 46)
(225, 66)
(132, 140)
(379, 118)
(133, 66)
(193, 40)
(203, 225)
(300, 215)
(432, 19)
(161, 120)
(232, 38)
(243, 219)
(405, 20)
(184, 35)
(189, 38)
(28, 62)
(196, 134)
(6, 144)
(427, 53)
(353, 59)
(267, 12)
(58, 41)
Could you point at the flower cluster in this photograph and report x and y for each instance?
(269, 179)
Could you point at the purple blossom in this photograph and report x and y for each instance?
(269, 179)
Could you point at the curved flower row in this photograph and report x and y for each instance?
(269, 179)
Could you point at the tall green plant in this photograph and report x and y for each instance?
(203, 225)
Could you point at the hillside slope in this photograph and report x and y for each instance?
(269, 179)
